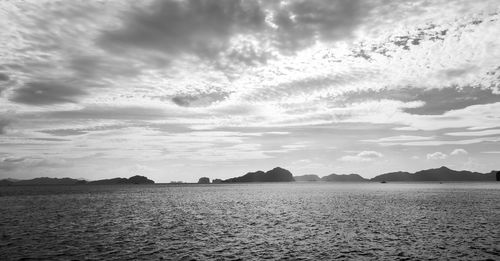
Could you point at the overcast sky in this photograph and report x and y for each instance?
(176, 90)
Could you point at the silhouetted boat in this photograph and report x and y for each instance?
(383, 181)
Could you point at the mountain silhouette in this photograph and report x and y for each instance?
(343, 178)
(204, 180)
(47, 181)
(69, 181)
(117, 181)
(309, 177)
(275, 175)
(439, 174)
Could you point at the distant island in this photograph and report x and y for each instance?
(275, 175)
(281, 175)
(308, 177)
(69, 181)
(344, 178)
(332, 178)
(439, 174)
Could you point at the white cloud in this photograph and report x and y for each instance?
(400, 138)
(457, 152)
(436, 156)
(363, 156)
(475, 133)
(443, 142)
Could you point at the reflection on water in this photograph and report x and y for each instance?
(301, 221)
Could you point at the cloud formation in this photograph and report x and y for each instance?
(200, 27)
(363, 156)
(3, 125)
(46, 93)
(4, 77)
(437, 156)
(457, 152)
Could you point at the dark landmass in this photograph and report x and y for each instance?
(47, 181)
(343, 178)
(309, 177)
(119, 181)
(5, 182)
(70, 181)
(217, 181)
(439, 174)
(275, 175)
(204, 180)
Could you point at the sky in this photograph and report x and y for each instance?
(177, 90)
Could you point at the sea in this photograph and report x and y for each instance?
(257, 221)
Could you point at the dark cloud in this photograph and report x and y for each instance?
(4, 77)
(65, 132)
(3, 125)
(95, 67)
(453, 73)
(205, 28)
(201, 100)
(437, 101)
(46, 93)
(300, 23)
(13, 163)
(109, 112)
(202, 27)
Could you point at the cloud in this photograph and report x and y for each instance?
(436, 100)
(200, 100)
(363, 156)
(4, 77)
(196, 27)
(113, 112)
(13, 163)
(400, 138)
(442, 142)
(46, 93)
(211, 28)
(3, 125)
(475, 133)
(457, 152)
(92, 66)
(436, 156)
(301, 23)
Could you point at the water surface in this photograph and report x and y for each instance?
(299, 221)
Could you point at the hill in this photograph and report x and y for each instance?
(343, 178)
(309, 177)
(70, 181)
(275, 175)
(439, 174)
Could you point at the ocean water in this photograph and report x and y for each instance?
(299, 221)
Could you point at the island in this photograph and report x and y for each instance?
(69, 181)
(204, 180)
(307, 177)
(343, 178)
(275, 175)
(439, 174)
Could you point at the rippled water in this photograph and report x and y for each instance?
(301, 221)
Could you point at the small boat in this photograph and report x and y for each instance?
(383, 181)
